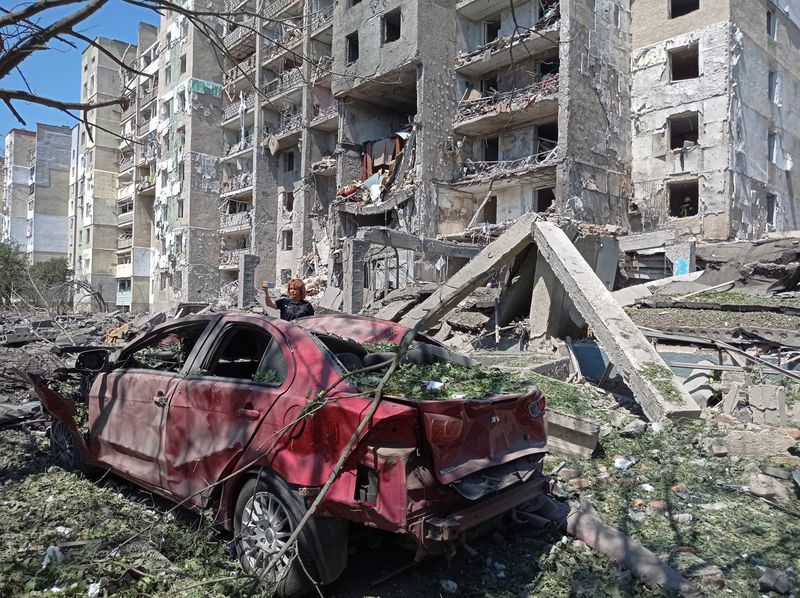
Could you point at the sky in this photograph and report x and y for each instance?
(56, 72)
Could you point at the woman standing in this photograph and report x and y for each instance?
(293, 307)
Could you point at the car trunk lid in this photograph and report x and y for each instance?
(465, 436)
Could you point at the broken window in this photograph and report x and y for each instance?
(773, 87)
(166, 351)
(678, 8)
(682, 129)
(544, 198)
(286, 240)
(489, 86)
(772, 147)
(124, 284)
(164, 275)
(352, 47)
(772, 200)
(168, 75)
(547, 135)
(491, 149)
(684, 63)
(248, 353)
(684, 198)
(772, 24)
(548, 68)
(180, 208)
(288, 201)
(183, 64)
(491, 31)
(288, 165)
(391, 26)
(490, 210)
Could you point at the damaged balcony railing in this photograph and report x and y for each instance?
(283, 41)
(231, 257)
(126, 161)
(326, 112)
(286, 81)
(130, 107)
(125, 190)
(124, 241)
(503, 43)
(235, 221)
(324, 165)
(233, 108)
(234, 183)
(146, 183)
(322, 67)
(322, 18)
(507, 101)
(244, 68)
(480, 170)
(270, 9)
(239, 146)
(290, 124)
(148, 96)
(242, 31)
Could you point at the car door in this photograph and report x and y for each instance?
(128, 404)
(215, 411)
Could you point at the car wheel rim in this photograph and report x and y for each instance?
(63, 447)
(266, 527)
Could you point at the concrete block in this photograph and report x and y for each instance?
(395, 309)
(494, 256)
(768, 404)
(571, 435)
(654, 387)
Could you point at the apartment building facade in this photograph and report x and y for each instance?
(715, 86)
(36, 191)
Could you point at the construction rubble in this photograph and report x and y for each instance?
(672, 373)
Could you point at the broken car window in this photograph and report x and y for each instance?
(249, 353)
(168, 350)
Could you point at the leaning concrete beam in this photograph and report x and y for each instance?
(403, 240)
(659, 393)
(494, 256)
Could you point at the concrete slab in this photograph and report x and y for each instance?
(571, 435)
(494, 256)
(395, 309)
(658, 391)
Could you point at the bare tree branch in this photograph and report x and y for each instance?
(23, 14)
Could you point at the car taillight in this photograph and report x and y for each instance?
(537, 406)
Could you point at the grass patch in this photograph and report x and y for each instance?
(734, 298)
(661, 377)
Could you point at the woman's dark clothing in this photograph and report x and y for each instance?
(291, 310)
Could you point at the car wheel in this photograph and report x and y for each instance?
(267, 512)
(65, 448)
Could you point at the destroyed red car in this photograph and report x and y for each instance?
(214, 411)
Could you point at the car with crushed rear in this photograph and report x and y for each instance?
(228, 411)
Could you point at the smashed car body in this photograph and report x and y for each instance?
(227, 411)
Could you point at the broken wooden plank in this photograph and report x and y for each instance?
(654, 387)
(494, 256)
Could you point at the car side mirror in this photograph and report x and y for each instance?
(93, 360)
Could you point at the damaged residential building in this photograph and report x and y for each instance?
(35, 191)
(169, 170)
(715, 120)
(457, 120)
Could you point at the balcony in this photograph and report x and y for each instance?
(538, 168)
(124, 270)
(283, 42)
(322, 19)
(236, 183)
(125, 218)
(273, 8)
(229, 258)
(148, 153)
(290, 125)
(130, 108)
(324, 167)
(232, 110)
(147, 184)
(509, 109)
(506, 50)
(327, 118)
(126, 162)
(125, 191)
(233, 149)
(148, 96)
(322, 68)
(143, 127)
(285, 82)
(124, 241)
(242, 69)
(241, 41)
(233, 222)
(124, 297)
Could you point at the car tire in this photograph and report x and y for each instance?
(65, 447)
(267, 512)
